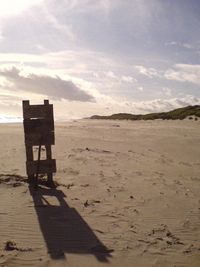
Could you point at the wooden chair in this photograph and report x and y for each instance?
(39, 131)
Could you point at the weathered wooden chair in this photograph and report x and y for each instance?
(39, 131)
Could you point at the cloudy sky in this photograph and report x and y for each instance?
(99, 56)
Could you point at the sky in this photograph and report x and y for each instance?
(99, 56)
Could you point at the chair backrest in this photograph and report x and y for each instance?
(38, 123)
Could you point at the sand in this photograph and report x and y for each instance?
(128, 195)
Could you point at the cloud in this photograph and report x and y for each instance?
(110, 74)
(184, 73)
(148, 72)
(167, 91)
(117, 77)
(187, 46)
(82, 6)
(54, 87)
(180, 44)
(160, 105)
(141, 88)
(128, 79)
(60, 27)
(10, 7)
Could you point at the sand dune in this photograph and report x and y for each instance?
(128, 195)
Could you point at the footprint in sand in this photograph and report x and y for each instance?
(197, 179)
(191, 249)
(138, 173)
(185, 163)
(70, 171)
(12, 180)
(160, 174)
(117, 174)
(163, 236)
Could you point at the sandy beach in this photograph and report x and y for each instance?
(128, 195)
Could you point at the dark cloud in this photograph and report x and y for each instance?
(53, 87)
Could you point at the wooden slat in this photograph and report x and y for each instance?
(38, 111)
(49, 156)
(29, 153)
(46, 166)
(38, 125)
(48, 152)
(36, 140)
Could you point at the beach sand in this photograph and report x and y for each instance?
(128, 195)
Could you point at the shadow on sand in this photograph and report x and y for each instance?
(63, 229)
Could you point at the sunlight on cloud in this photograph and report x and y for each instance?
(10, 7)
(128, 79)
(141, 88)
(184, 73)
(149, 72)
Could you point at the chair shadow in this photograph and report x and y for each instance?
(63, 229)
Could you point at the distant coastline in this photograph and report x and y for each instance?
(176, 114)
